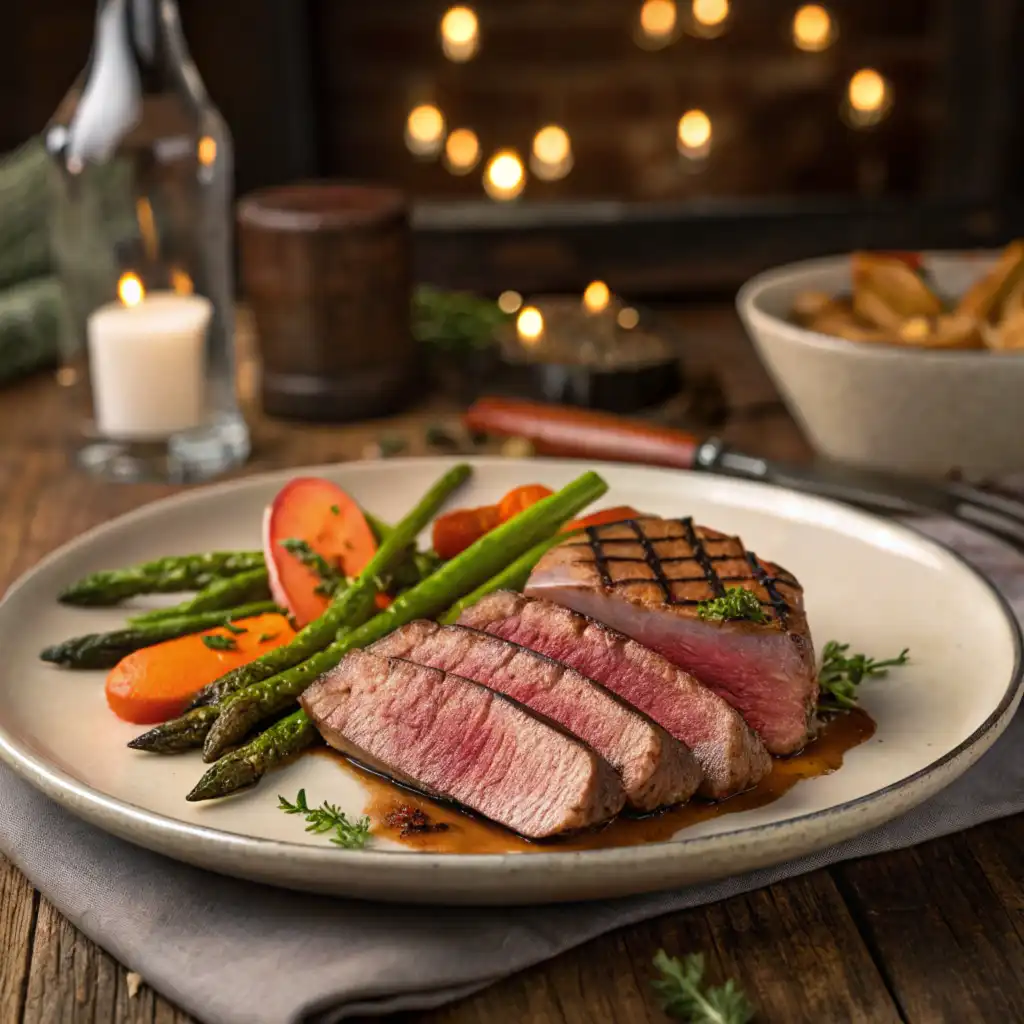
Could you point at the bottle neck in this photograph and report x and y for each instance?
(150, 32)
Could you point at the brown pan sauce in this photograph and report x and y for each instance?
(445, 829)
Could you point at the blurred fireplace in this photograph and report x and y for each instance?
(791, 147)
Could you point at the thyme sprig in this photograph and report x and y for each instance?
(326, 818)
(841, 674)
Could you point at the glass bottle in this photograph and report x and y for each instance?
(141, 167)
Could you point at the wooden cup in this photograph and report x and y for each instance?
(327, 269)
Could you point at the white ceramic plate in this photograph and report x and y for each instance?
(873, 583)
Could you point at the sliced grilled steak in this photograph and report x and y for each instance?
(646, 577)
(728, 751)
(656, 770)
(455, 739)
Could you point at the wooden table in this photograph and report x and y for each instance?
(935, 933)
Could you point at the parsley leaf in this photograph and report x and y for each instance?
(326, 818)
(232, 628)
(216, 642)
(335, 510)
(330, 579)
(842, 673)
(265, 638)
(684, 996)
(735, 603)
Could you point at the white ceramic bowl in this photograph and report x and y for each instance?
(904, 409)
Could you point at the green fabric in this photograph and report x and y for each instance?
(30, 319)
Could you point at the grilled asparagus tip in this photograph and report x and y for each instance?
(223, 779)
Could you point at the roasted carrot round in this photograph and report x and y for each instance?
(156, 683)
(606, 515)
(520, 498)
(331, 523)
(456, 531)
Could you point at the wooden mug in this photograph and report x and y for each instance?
(327, 269)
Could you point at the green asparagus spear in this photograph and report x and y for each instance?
(105, 650)
(170, 575)
(226, 593)
(243, 768)
(512, 577)
(351, 608)
(381, 530)
(478, 563)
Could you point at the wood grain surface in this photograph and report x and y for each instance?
(931, 934)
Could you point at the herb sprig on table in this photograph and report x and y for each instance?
(735, 603)
(326, 818)
(841, 674)
(685, 996)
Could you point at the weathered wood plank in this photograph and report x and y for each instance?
(73, 981)
(794, 948)
(18, 906)
(946, 925)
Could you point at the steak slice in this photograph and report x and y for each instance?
(646, 578)
(728, 751)
(656, 770)
(455, 739)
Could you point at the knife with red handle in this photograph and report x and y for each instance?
(565, 431)
(582, 434)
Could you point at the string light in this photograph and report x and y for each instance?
(813, 29)
(693, 136)
(551, 156)
(868, 99)
(708, 17)
(505, 176)
(596, 297)
(509, 302)
(460, 34)
(424, 130)
(658, 19)
(530, 325)
(628, 318)
(461, 151)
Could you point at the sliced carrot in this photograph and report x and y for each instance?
(332, 524)
(456, 531)
(520, 498)
(156, 683)
(607, 515)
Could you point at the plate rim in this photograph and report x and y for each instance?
(100, 809)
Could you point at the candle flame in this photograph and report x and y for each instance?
(130, 290)
(596, 297)
(530, 325)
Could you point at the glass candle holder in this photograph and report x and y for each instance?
(141, 166)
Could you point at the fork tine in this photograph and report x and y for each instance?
(1002, 504)
(992, 520)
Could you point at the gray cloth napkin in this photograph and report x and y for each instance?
(230, 951)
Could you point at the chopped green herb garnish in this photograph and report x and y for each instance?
(735, 603)
(330, 579)
(216, 642)
(842, 673)
(265, 638)
(232, 628)
(336, 510)
(326, 818)
(683, 995)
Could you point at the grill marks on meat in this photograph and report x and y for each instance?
(646, 578)
(730, 754)
(656, 770)
(452, 738)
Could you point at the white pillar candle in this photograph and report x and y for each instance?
(147, 365)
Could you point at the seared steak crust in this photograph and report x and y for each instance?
(647, 577)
